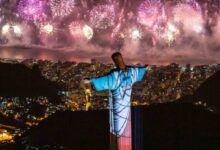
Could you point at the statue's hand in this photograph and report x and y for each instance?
(85, 84)
(148, 68)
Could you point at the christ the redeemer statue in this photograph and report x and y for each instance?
(119, 83)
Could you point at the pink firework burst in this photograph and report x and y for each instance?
(75, 28)
(102, 16)
(31, 9)
(190, 19)
(149, 11)
(192, 3)
(47, 29)
(61, 8)
(80, 30)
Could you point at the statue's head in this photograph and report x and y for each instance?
(118, 60)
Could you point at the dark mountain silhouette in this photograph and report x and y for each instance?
(37, 109)
(209, 92)
(175, 126)
(72, 130)
(168, 126)
(207, 95)
(19, 80)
